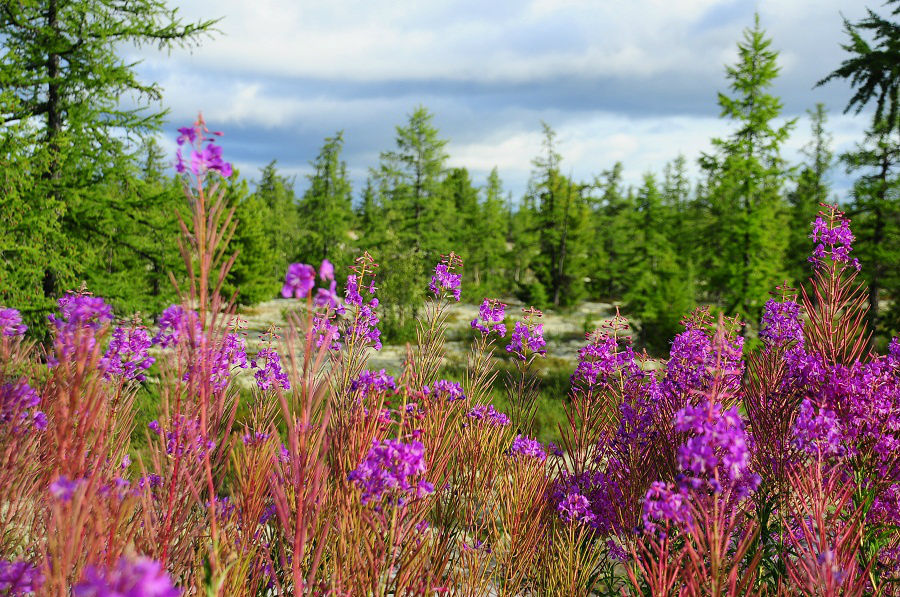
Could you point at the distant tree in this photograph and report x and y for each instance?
(251, 276)
(873, 70)
(490, 264)
(658, 290)
(69, 108)
(812, 189)
(326, 208)
(746, 177)
(283, 224)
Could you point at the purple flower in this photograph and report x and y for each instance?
(141, 577)
(326, 270)
(575, 508)
(389, 469)
(81, 310)
(298, 281)
(488, 414)
(329, 297)
(127, 354)
(444, 279)
(176, 325)
(271, 372)
(63, 488)
(19, 578)
(781, 323)
(11, 323)
(525, 446)
(255, 438)
(834, 239)
(664, 503)
(205, 155)
(186, 134)
(525, 339)
(449, 390)
(323, 330)
(18, 402)
(490, 318)
(818, 433)
(372, 382)
(365, 320)
(186, 437)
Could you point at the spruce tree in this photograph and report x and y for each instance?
(62, 122)
(326, 208)
(745, 185)
(490, 266)
(251, 275)
(812, 189)
(283, 223)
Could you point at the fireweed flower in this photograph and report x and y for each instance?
(527, 337)
(18, 408)
(664, 503)
(231, 353)
(373, 382)
(490, 318)
(127, 354)
(64, 488)
(269, 372)
(11, 323)
(781, 323)
(447, 390)
(298, 281)
(323, 330)
(599, 361)
(141, 577)
(390, 469)
(326, 270)
(205, 155)
(489, 415)
(818, 432)
(80, 316)
(445, 279)
(831, 232)
(694, 357)
(18, 577)
(717, 452)
(364, 324)
(329, 298)
(575, 508)
(177, 325)
(185, 437)
(525, 446)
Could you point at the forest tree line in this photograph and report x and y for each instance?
(81, 204)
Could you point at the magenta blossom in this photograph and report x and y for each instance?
(141, 577)
(299, 281)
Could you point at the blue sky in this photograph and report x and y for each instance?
(620, 80)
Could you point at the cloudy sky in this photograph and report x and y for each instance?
(620, 80)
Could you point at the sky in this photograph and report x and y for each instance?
(634, 81)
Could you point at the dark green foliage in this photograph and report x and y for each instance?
(251, 276)
(325, 210)
(277, 193)
(66, 124)
(746, 175)
(812, 189)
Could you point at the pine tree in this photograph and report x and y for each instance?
(326, 208)
(746, 180)
(61, 120)
(658, 290)
(251, 276)
(873, 70)
(283, 223)
(490, 266)
(812, 189)
(610, 228)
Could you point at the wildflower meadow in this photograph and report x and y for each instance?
(719, 470)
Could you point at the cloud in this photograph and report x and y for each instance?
(632, 81)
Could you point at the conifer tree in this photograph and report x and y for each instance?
(658, 290)
(746, 179)
(326, 208)
(277, 192)
(490, 265)
(610, 227)
(251, 275)
(812, 189)
(60, 113)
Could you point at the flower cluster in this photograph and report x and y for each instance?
(781, 323)
(269, 373)
(141, 577)
(18, 402)
(232, 353)
(185, 437)
(445, 279)
(11, 323)
(831, 232)
(364, 326)
(488, 414)
(575, 508)
(663, 503)
(600, 360)
(63, 488)
(19, 578)
(176, 325)
(527, 336)
(389, 469)
(127, 354)
(717, 452)
(325, 331)
(528, 447)
(818, 433)
(698, 356)
(490, 318)
(205, 155)
(298, 281)
(447, 390)
(372, 382)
